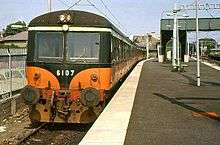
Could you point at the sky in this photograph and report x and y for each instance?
(135, 16)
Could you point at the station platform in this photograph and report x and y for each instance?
(165, 108)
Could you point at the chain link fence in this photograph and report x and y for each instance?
(12, 74)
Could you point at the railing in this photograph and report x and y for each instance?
(12, 74)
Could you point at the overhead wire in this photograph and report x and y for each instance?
(208, 33)
(209, 13)
(64, 3)
(104, 14)
(76, 3)
(92, 4)
(106, 7)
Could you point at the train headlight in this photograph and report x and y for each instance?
(65, 27)
(94, 77)
(89, 97)
(31, 95)
(37, 76)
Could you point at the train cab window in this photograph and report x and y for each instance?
(49, 44)
(83, 46)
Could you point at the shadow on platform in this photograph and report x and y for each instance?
(193, 82)
(201, 112)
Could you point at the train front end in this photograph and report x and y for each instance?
(67, 68)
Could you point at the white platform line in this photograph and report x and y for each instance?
(111, 126)
(209, 64)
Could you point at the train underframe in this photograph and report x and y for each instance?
(82, 105)
(59, 107)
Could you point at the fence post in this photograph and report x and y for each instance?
(13, 101)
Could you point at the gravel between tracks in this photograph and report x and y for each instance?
(58, 134)
(19, 126)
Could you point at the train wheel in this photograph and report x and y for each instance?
(88, 116)
(35, 123)
(103, 104)
(34, 116)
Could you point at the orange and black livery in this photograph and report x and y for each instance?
(74, 59)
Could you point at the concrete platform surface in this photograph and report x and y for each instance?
(169, 109)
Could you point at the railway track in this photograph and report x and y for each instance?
(52, 134)
(208, 59)
(55, 134)
(28, 134)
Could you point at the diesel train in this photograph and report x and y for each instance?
(74, 59)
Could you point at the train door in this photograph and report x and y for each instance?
(113, 59)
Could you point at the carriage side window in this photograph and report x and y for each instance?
(117, 50)
(49, 44)
(83, 46)
(113, 54)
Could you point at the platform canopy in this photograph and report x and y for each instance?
(205, 24)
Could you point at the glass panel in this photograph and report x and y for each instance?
(49, 44)
(83, 46)
(2, 77)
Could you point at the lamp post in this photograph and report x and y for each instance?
(49, 6)
(175, 25)
(175, 52)
(174, 38)
(176, 48)
(197, 45)
(147, 46)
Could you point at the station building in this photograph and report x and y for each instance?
(19, 40)
(150, 40)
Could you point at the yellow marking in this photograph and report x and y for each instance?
(208, 114)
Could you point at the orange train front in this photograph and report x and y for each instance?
(74, 59)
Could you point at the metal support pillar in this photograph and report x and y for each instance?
(49, 6)
(13, 101)
(197, 45)
(147, 46)
(158, 51)
(188, 45)
(174, 41)
(177, 46)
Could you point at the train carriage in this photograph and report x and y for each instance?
(74, 59)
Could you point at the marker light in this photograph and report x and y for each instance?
(68, 18)
(65, 27)
(62, 18)
(65, 18)
(94, 77)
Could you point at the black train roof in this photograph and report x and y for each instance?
(79, 19)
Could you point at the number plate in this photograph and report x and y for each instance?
(65, 73)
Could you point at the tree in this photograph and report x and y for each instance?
(12, 31)
(207, 43)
